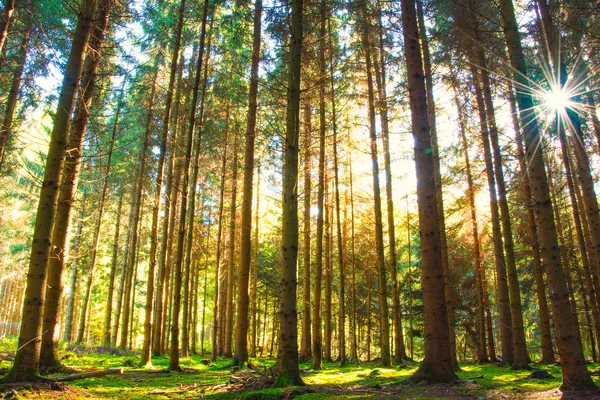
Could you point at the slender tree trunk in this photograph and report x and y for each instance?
(26, 363)
(481, 345)
(6, 21)
(145, 360)
(69, 318)
(506, 332)
(192, 212)
(137, 203)
(540, 287)
(438, 179)
(111, 280)
(382, 279)
(340, 253)
(217, 319)
(241, 331)
(577, 221)
(574, 371)
(305, 345)
(317, 340)
(230, 310)
(122, 279)
(354, 349)
(327, 331)
(254, 289)
(437, 365)
(174, 353)
(288, 372)
(96, 242)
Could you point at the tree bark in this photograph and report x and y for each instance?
(241, 331)
(174, 352)
(437, 365)
(506, 333)
(111, 280)
(317, 340)
(305, 344)
(481, 345)
(381, 270)
(540, 286)
(288, 372)
(574, 371)
(26, 364)
(69, 317)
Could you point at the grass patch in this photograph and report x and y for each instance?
(364, 381)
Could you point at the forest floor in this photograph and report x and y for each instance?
(219, 381)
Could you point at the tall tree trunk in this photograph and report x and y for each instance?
(254, 288)
(305, 344)
(69, 317)
(506, 332)
(438, 179)
(192, 212)
(174, 352)
(26, 363)
(137, 203)
(327, 329)
(354, 349)
(217, 320)
(230, 310)
(574, 371)
(288, 372)
(111, 280)
(317, 340)
(340, 253)
(540, 286)
(437, 365)
(67, 191)
(145, 360)
(96, 241)
(579, 224)
(241, 331)
(123, 277)
(481, 345)
(384, 322)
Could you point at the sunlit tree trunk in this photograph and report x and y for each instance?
(305, 344)
(574, 371)
(540, 286)
(217, 343)
(27, 357)
(137, 203)
(112, 275)
(230, 309)
(288, 372)
(177, 275)
(317, 340)
(96, 241)
(481, 345)
(438, 178)
(241, 332)
(437, 365)
(254, 288)
(69, 317)
(145, 360)
(506, 332)
(384, 322)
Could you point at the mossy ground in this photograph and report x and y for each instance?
(365, 381)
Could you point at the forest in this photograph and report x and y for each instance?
(321, 199)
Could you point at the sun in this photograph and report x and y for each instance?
(557, 99)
